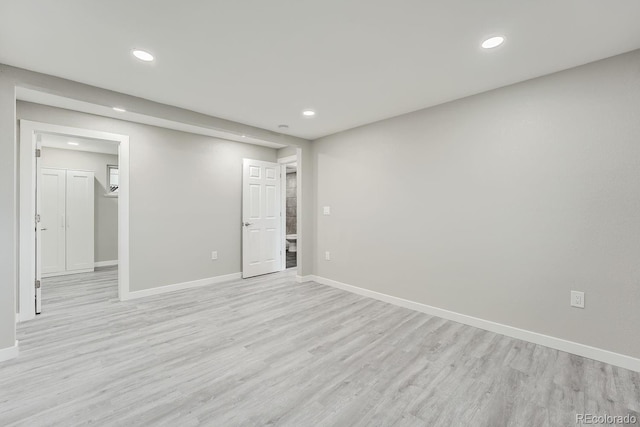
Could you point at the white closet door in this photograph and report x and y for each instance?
(79, 220)
(52, 221)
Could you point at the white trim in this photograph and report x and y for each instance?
(9, 352)
(283, 215)
(181, 286)
(304, 279)
(105, 263)
(123, 218)
(583, 350)
(288, 159)
(67, 273)
(300, 219)
(28, 173)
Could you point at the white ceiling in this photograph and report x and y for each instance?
(84, 144)
(261, 62)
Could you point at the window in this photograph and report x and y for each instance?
(112, 180)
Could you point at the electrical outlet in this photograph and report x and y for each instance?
(214, 255)
(327, 256)
(326, 210)
(577, 299)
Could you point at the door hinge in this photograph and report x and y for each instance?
(37, 284)
(38, 152)
(37, 218)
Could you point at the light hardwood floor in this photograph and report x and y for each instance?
(269, 351)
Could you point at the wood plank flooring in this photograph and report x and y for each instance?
(269, 351)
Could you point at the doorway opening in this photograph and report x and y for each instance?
(271, 215)
(74, 182)
(291, 174)
(77, 207)
(291, 214)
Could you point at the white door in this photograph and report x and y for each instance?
(52, 223)
(261, 214)
(79, 219)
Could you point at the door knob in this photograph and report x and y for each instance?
(246, 224)
(43, 229)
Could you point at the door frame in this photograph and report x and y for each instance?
(283, 161)
(28, 176)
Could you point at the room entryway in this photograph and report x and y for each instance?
(261, 213)
(71, 181)
(271, 215)
(77, 191)
(291, 214)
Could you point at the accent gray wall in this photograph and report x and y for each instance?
(497, 205)
(8, 214)
(185, 197)
(106, 208)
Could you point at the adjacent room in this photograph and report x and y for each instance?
(77, 194)
(333, 213)
(291, 214)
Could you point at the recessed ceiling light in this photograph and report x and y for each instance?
(244, 136)
(308, 113)
(73, 143)
(119, 110)
(142, 55)
(492, 42)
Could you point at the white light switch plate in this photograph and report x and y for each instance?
(214, 255)
(326, 210)
(577, 299)
(327, 256)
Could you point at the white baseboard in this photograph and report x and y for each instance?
(106, 263)
(180, 286)
(583, 350)
(9, 352)
(67, 273)
(24, 317)
(303, 279)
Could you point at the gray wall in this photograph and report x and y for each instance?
(105, 208)
(286, 152)
(185, 197)
(10, 79)
(497, 205)
(8, 214)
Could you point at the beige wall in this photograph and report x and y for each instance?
(106, 208)
(497, 205)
